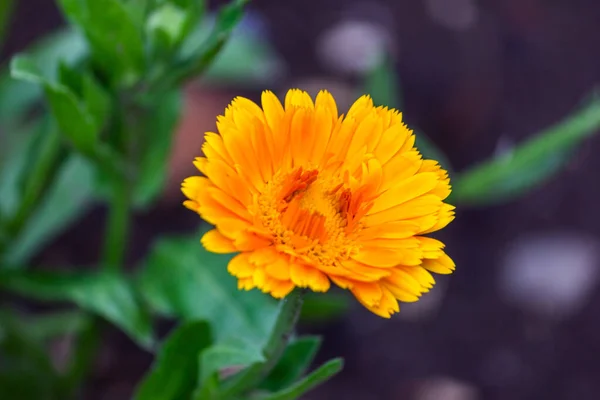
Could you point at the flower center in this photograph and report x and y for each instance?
(312, 216)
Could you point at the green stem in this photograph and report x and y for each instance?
(283, 329)
(117, 225)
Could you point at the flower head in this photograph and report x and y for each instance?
(308, 198)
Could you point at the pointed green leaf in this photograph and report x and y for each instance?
(24, 68)
(198, 59)
(382, 85)
(530, 164)
(66, 200)
(170, 20)
(97, 100)
(26, 371)
(160, 126)
(70, 77)
(175, 371)
(293, 363)
(182, 279)
(109, 295)
(72, 117)
(314, 379)
(18, 96)
(113, 33)
(234, 352)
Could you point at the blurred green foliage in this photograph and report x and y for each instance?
(111, 85)
(511, 175)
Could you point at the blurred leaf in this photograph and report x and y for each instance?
(246, 59)
(15, 165)
(159, 133)
(175, 371)
(232, 352)
(49, 325)
(167, 21)
(199, 59)
(182, 279)
(72, 117)
(6, 11)
(296, 359)
(138, 9)
(65, 201)
(314, 379)
(109, 295)
(383, 86)
(69, 77)
(97, 100)
(17, 97)
(26, 371)
(114, 35)
(530, 164)
(320, 307)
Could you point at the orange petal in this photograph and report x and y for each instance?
(241, 267)
(280, 289)
(369, 294)
(386, 306)
(386, 258)
(215, 242)
(279, 269)
(441, 265)
(305, 276)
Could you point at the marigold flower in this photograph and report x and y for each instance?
(308, 197)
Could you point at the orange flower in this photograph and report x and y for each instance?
(308, 197)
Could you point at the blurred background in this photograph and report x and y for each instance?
(520, 317)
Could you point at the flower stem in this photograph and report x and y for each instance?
(282, 330)
(117, 226)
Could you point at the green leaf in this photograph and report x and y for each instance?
(17, 96)
(293, 363)
(320, 307)
(50, 325)
(97, 100)
(72, 117)
(169, 21)
(175, 371)
(74, 121)
(383, 86)
(15, 164)
(530, 164)
(198, 59)
(317, 377)
(114, 35)
(109, 295)
(70, 77)
(6, 11)
(66, 200)
(26, 371)
(246, 59)
(153, 166)
(24, 68)
(233, 352)
(182, 279)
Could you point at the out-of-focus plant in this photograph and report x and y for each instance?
(512, 174)
(110, 90)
